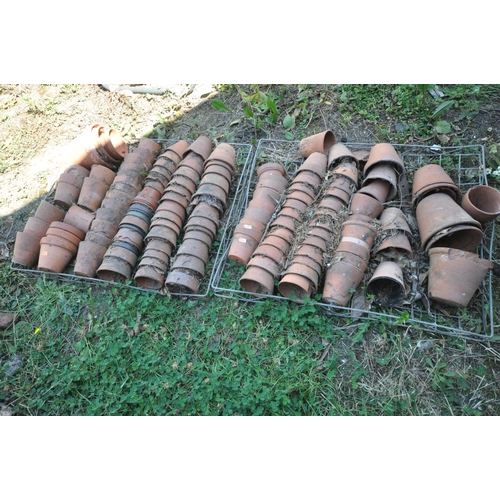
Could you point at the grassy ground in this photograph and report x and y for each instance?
(85, 349)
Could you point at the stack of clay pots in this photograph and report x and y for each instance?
(306, 266)
(97, 144)
(169, 218)
(69, 185)
(205, 211)
(449, 235)
(272, 183)
(393, 251)
(95, 186)
(27, 244)
(350, 261)
(268, 258)
(125, 186)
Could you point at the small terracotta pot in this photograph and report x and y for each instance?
(320, 143)
(387, 284)
(256, 214)
(76, 234)
(190, 263)
(271, 180)
(201, 236)
(310, 251)
(202, 146)
(272, 167)
(378, 189)
(304, 266)
(362, 156)
(36, 226)
(266, 263)
(159, 247)
(164, 223)
(291, 213)
(343, 276)
(343, 183)
(354, 246)
(383, 172)
(111, 215)
(151, 260)
(308, 178)
(193, 162)
(482, 203)
(250, 228)
(114, 144)
(298, 205)
(193, 247)
(149, 196)
(315, 163)
(173, 196)
(430, 179)
(88, 258)
(315, 241)
(178, 220)
(455, 275)
(225, 153)
(77, 171)
(114, 269)
(182, 283)
(92, 193)
(149, 277)
(398, 242)
(55, 254)
(320, 232)
(285, 222)
(271, 252)
(163, 233)
(257, 280)
(393, 218)
(340, 153)
(26, 249)
(158, 180)
(131, 236)
(130, 179)
(67, 190)
(242, 247)
(49, 213)
(137, 221)
(212, 191)
(103, 226)
(347, 170)
(362, 204)
(217, 180)
(301, 192)
(295, 285)
(79, 218)
(177, 150)
(265, 198)
(278, 242)
(203, 224)
(173, 207)
(384, 153)
(217, 168)
(332, 204)
(437, 213)
(353, 228)
(103, 174)
(282, 232)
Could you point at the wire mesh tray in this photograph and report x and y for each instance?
(464, 164)
(235, 197)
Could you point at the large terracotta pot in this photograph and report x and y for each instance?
(455, 275)
(79, 218)
(317, 143)
(383, 172)
(149, 277)
(482, 203)
(55, 254)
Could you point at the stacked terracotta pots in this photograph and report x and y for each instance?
(97, 144)
(267, 261)
(272, 183)
(205, 211)
(350, 261)
(306, 266)
(95, 187)
(169, 218)
(69, 185)
(449, 235)
(27, 243)
(125, 186)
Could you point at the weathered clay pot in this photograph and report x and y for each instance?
(342, 277)
(272, 167)
(77, 171)
(430, 179)
(202, 146)
(266, 263)
(88, 258)
(92, 193)
(316, 242)
(311, 252)
(162, 233)
(378, 189)
(79, 218)
(442, 222)
(189, 263)
(298, 205)
(256, 214)
(383, 172)
(285, 222)
(216, 168)
(295, 286)
(36, 226)
(55, 254)
(362, 204)
(102, 173)
(362, 156)
(178, 220)
(114, 269)
(482, 203)
(316, 163)
(276, 241)
(194, 247)
(67, 190)
(355, 228)
(455, 275)
(26, 249)
(347, 170)
(65, 230)
(340, 153)
(308, 178)
(384, 153)
(271, 252)
(257, 280)
(182, 283)
(173, 196)
(271, 180)
(223, 153)
(212, 191)
(301, 192)
(387, 284)
(319, 143)
(393, 218)
(48, 212)
(242, 248)
(396, 244)
(332, 203)
(149, 277)
(176, 150)
(307, 267)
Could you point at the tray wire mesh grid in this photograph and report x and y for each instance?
(240, 181)
(464, 164)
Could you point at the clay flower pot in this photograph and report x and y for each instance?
(455, 275)
(219, 169)
(79, 218)
(36, 226)
(202, 146)
(383, 172)
(257, 214)
(92, 193)
(315, 163)
(223, 153)
(319, 143)
(307, 267)
(190, 246)
(332, 204)
(65, 230)
(176, 150)
(49, 213)
(67, 190)
(340, 153)
(442, 222)
(430, 179)
(182, 283)
(88, 258)
(362, 204)
(383, 153)
(392, 218)
(387, 284)
(103, 174)
(378, 189)
(295, 285)
(257, 280)
(308, 178)
(55, 254)
(362, 157)
(271, 180)
(482, 203)
(349, 171)
(276, 241)
(395, 244)
(272, 167)
(271, 252)
(114, 269)
(297, 205)
(359, 230)
(77, 171)
(26, 249)
(149, 277)
(242, 247)
(190, 264)
(343, 276)
(265, 262)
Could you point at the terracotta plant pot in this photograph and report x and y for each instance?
(190, 264)
(332, 204)
(102, 173)
(384, 153)
(393, 219)
(315, 163)
(359, 230)
(194, 247)
(442, 222)
(176, 150)
(394, 245)
(55, 254)
(36, 226)
(431, 179)
(114, 269)
(362, 204)
(482, 203)
(455, 275)
(343, 277)
(340, 153)
(347, 170)
(271, 252)
(92, 193)
(71, 232)
(271, 180)
(77, 171)
(202, 146)
(26, 249)
(49, 213)
(295, 286)
(383, 172)
(88, 258)
(319, 143)
(315, 242)
(272, 167)
(67, 190)
(378, 189)
(79, 218)
(223, 154)
(257, 280)
(149, 277)
(242, 247)
(182, 283)
(387, 284)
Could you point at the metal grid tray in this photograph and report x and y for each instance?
(240, 181)
(466, 166)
